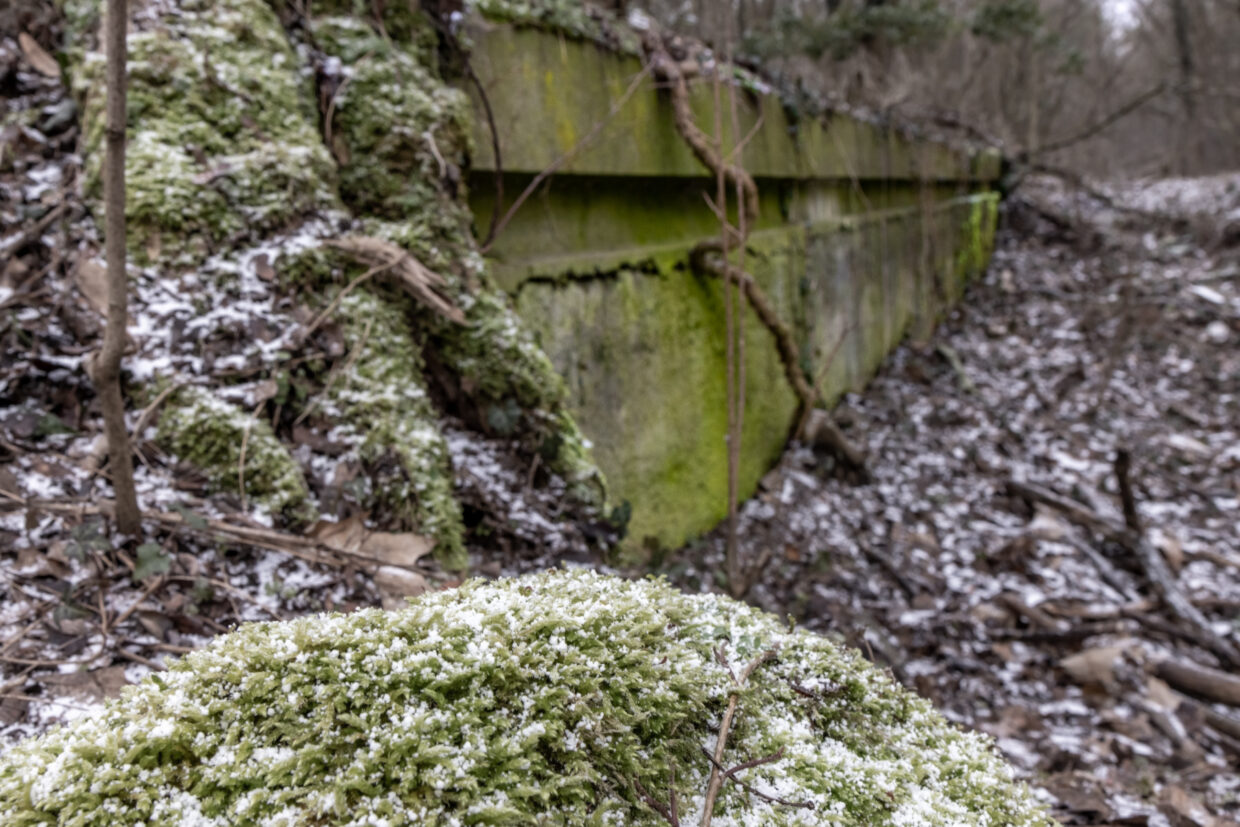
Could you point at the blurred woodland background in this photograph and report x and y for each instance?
(1107, 88)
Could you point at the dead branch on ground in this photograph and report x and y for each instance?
(1200, 682)
(1150, 559)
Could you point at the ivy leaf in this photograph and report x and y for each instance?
(151, 560)
(195, 521)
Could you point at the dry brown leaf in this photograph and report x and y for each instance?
(1171, 548)
(1160, 694)
(1095, 666)
(263, 268)
(346, 535)
(1047, 525)
(350, 535)
(92, 282)
(38, 57)
(12, 709)
(396, 584)
(87, 686)
(397, 549)
(1186, 810)
(265, 390)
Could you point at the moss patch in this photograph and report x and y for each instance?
(382, 397)
(222, 143)
(208, 433)
(544, 699)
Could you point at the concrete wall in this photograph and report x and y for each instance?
(864, 232)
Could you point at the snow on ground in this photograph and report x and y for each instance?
(979, 602)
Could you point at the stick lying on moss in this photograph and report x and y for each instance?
(420, 282)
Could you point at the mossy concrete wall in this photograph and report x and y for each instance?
(866, 233)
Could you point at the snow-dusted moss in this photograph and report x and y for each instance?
(207, 432)
(496, 354)
(400, 134)
(222, 137)
(541, 700)
(382, 398)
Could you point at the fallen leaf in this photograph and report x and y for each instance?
(1046, 525)
(1160, 694)
(263, 268)
(12, 709)
(92, 282)
(38, 57)
(396, 584)
(264, 391)
(1186, 811)
(350, 535)
(344, 535)
(88, 686)
(1095, 666)
(1171, 548)
(398, 549)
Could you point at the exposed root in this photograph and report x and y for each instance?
(424, 284)
(670, 71)
(813, 424)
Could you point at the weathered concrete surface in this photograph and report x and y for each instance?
(864, 233)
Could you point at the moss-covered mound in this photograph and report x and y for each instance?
(562, 698)
(261, 132)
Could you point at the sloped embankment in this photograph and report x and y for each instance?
(266, 334)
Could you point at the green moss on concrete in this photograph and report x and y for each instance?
(208, 433)
(644, 362)
(977, 236)
(222, 138)
(570, 18)
(539, 700)
(382, 396)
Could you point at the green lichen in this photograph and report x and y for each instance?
(548, 699)
(222, 144)
(382, 396)
(207, 432)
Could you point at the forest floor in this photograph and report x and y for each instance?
(1095, 329)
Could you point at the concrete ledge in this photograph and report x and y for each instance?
(547, 92)
(864, 234)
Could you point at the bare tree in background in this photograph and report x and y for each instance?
(1079, 83)
(108, 364)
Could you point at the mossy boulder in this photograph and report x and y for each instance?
(382, 397)
(565, 698)
(222, 145)
(234, 448)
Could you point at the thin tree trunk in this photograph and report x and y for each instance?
(108, 365)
